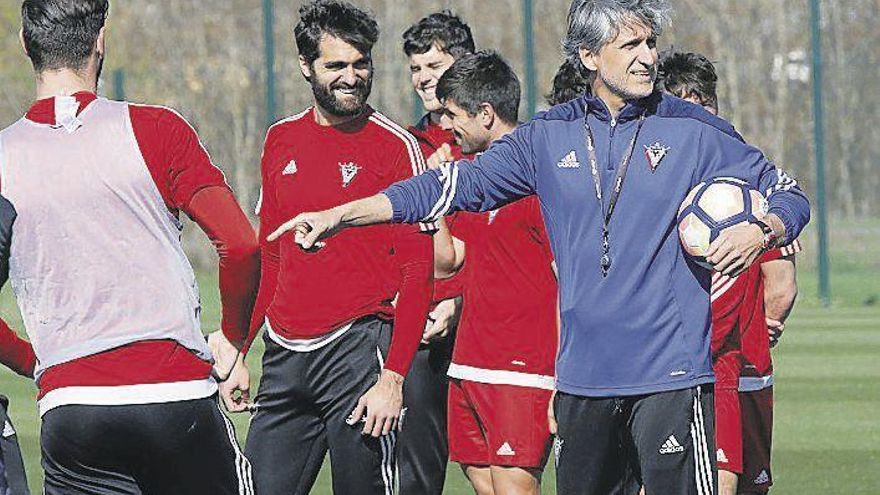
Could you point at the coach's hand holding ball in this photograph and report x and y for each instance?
(724, 225)
(736, 248)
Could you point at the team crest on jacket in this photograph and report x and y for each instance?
(349, 171)
(655, 154)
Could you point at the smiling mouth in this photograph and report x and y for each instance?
(347, 91)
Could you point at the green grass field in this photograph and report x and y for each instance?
(827, 435)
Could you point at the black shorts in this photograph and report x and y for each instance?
(185, 447)
(664, 442)
(302, 406)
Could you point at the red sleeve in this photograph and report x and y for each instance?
(177, 161)
(15, 352)
(448, 288)
(267, 210)
(217, 212)
(414, 253)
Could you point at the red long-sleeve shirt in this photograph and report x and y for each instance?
(307, 295)
(739, 323)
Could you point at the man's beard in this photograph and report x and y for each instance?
(619, 89)
(327, 100)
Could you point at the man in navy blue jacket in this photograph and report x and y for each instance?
(634, 372)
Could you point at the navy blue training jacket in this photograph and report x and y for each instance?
(644, 328)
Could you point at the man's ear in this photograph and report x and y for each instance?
(99, 44)
(486, 114)
(21, 39)
(588, 58)
(306, 68)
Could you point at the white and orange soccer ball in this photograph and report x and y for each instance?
(713, 206)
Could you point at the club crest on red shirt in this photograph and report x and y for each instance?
(349, 171)
(655, 154)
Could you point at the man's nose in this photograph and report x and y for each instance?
(349, 75)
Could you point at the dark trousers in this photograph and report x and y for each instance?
(423, 447)
(663, 441)
(302, 405)
(185, 447)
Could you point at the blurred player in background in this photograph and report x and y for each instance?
(333, 370)
(431, 46)
(91, 241)
(744, 310)
(691, 77)
(503, 365)
(571, 81)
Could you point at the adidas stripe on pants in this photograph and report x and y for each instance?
(302, 405)
(664, 442)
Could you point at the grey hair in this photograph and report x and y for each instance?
(593, 23)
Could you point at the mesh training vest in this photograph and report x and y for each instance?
(96, 259)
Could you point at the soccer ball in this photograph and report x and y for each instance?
(713, 206)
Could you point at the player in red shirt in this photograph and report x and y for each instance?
(91, 242)
(329, 312)
(431, 46)
(774, 285)
(503, 365)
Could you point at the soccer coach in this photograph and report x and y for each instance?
(634, 374)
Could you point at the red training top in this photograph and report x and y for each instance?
(306, 295)
(508, 322)
(739, 319)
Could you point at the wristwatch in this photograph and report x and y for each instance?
(771, 240)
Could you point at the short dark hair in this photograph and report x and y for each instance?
(61, 34)
(478, 78)
(687, 74)
(336, 18)
(444, 29)
(571, 81)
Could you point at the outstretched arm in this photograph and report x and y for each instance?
(504, 173)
